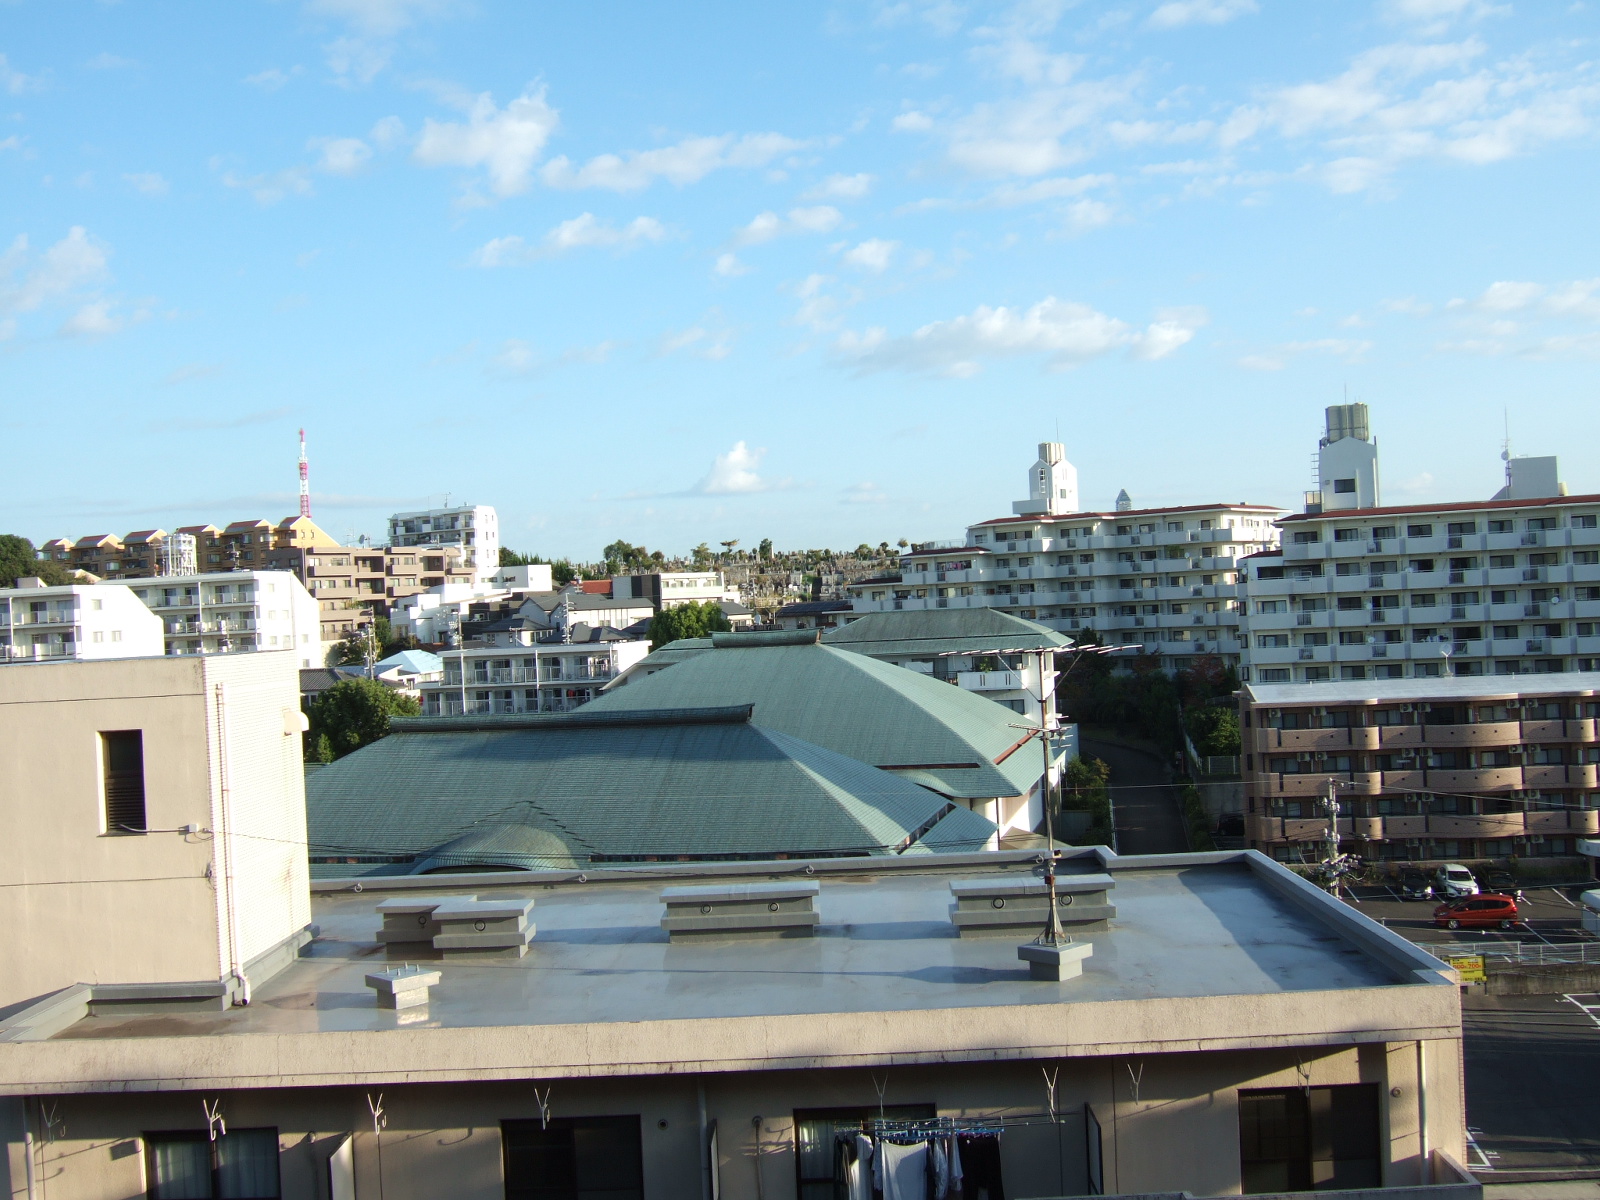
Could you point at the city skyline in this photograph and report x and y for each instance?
(820, 277)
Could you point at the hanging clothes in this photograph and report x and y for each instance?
(859, 1183)
(939, 1170)
(901, 1171)
(955, 1192)
(980, 1166)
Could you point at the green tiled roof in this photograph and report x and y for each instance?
(524, 792)
(931, 732)
(937, 631)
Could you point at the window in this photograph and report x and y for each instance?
(1498, 526)
(1297, 1139)
(1347, 535)
(1583, 521)
(1542, 523)
(1303, 536)
(573, 1158)
(1343, 486)
(240, 1165)
(1458, 528)
(1502, 562)
(1382, 533)
(814, 1134)
(1586, 558)
(1419, 531)
(122, 764)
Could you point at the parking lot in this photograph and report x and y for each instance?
(1549, 914)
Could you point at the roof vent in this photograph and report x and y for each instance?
(402, 987)
(1013, 905)
(765, 637)
(741, 910)
(459, 924)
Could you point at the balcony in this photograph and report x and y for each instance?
(991, 681)
(43, 618)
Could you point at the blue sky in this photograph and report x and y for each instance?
(822, 274)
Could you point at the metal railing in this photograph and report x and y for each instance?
(1532, 954)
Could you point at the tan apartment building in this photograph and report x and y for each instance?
(1446, 769)
(241, 546)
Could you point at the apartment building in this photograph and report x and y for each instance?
(1164, 578)
(243, 545)
(474, 529)
(232, 611)
(1506, 586)
(522, 668)
(1446, 769)
(354, 584)
(668, 589)
(80, 622)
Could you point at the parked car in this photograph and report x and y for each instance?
(1501, 882)
(1453, 881)
(1230, 825)
(1477, 912)
(1414, 885)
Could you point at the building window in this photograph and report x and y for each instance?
(1297, 1139)
(122, 762)
(240, 1165)
(573, 1158)
(1343, 486)
(814, 1131)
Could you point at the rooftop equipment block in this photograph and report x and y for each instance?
(476, 926)
(402, 987)
(408, 919)
(741, 910)
(1012, 905)
(1052, 964)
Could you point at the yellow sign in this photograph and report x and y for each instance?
(1470, 967)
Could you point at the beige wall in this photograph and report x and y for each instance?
(1180, 1133)
(80, 905)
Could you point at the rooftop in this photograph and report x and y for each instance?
(602, 991)
(938, 631)
(1359, 514)
(1452, 687)
(553, 790)
(942, 737)
(1122, 514)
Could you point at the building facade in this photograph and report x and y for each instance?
(79, 622)
(354, 584)
(1445, 769)
(474, 529)
(1165, 579)
(234, 611)
(243, 545)
(1507, 586)
(514, 671)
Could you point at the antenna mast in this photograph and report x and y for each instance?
(305, 479)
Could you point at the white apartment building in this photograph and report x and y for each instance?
(80, 621)
(1164, 578)
(668, 589)
(431, 615)
(1507, 586)
(515, 672)
(473, 527)
(233, 611)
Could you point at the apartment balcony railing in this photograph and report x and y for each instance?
(16, 654)
(43, 618)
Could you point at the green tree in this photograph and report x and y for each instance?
(701, 555)
(355, 713)
(1086, 787)
(18, 560)
(1214, 730)
(687, 621)
(764, 550)
(562, 572)
(510, 558)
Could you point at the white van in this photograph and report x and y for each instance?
(1452, 881)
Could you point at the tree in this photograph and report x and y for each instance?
(18, 560)
(689, 620)
(764, 550)
(701, 555)
(355, 713)
(562, 572)
(1214, 730)
(510, 558)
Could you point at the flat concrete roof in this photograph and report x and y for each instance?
(1446, 687)
(1209, 951)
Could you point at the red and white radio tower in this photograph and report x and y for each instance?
(305, 479)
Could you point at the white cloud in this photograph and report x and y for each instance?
(729, 266)
(272, 78)
(1351, 349)
(765, 226)
(341, 156)
(1089, 214)
(736, 473)
(147, 183)
(94, 319)
(13, 80)
(581, 232)
(686, 162)
(865, 492)
(1407, 304)
(1178, 13)
(1434, 17)
(70, 264)
(11, 143)
(912, 122)
(1065, 333)
(818, 310)
(697, 339)
(840, 187)
(379, 18)
(106, 61)
(871, 255)
(388, 131)
(272, 186)
(506, 142)
(1011, 195)
(598, 353)
(516, 357)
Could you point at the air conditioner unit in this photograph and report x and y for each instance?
(1424, 708)
(1303, 756)
(1405, 708)
(1319, 712)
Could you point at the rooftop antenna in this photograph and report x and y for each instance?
(1505, 446)
(305, 479)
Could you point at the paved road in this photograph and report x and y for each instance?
(1531, 1064)
(1149, 817)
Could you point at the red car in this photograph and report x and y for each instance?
(1477, 912)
